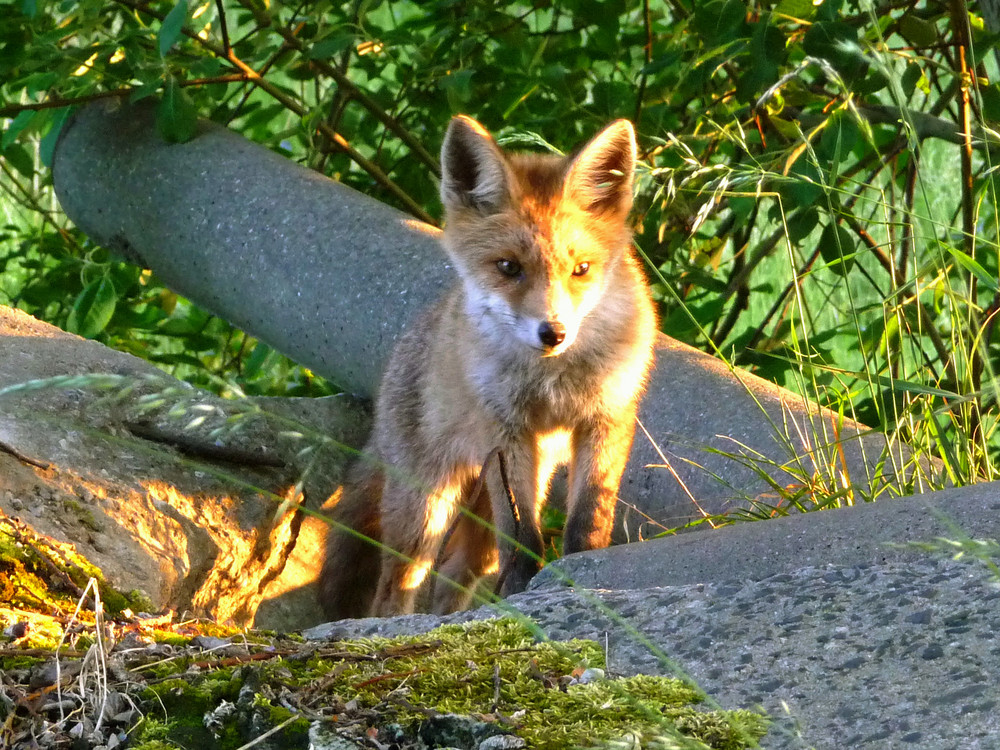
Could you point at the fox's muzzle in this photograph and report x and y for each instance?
(551, 333)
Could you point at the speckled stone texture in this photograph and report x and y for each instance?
(842, 628)
(880, 657)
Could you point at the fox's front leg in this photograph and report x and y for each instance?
(600, 452)
(513, 487)
(413, 526)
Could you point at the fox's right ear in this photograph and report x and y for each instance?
(473, 169)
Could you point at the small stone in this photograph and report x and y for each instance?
(210, 643)
(592, 674)
(933, 651)
(923, 617)
(502, 742)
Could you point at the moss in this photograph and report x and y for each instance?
(460, 669)
(239, 713)
(139, 601)
(183, 702)
(457, 669)
(43, 631)
(84, 515)
(39, 574)
(295, 731)
(169, 637)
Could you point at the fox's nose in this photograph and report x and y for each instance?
(551, 332)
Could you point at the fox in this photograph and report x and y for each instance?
(536, 358)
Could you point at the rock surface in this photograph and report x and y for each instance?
(869, 643)
(858, 644)
(161, 504)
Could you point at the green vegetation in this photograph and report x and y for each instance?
(493, 672)
(39, 576)
(817, 198)
(817, 195)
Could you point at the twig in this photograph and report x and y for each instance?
(496, 688)
(269, 732)
(6, 448)
(515, 514)
(648, 49)
(351, 91)
(387, 676)
(13, 110)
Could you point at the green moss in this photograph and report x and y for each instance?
(453, 670)
(296, 731)
(138, 601)
(169, 637)
(83, 514)
(13, 663)
(34, 572)
(183, 703)
(457, 669)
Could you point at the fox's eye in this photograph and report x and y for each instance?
(509, 267)
(581, 269)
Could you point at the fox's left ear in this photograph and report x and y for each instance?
(473, 169)
(600, 177)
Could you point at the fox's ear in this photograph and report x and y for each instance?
(473, 169)
(600, 176)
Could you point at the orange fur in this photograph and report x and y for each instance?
(542, 350)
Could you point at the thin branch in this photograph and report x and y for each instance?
(373, 170)
(351, 91)
(13, 110)
(648, 49)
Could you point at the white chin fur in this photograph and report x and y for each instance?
(501, 325)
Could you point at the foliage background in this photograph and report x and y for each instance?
(817, 197)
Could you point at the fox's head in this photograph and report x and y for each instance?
(536, 239)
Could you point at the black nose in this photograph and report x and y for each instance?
(551, 333)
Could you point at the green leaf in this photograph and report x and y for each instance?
(93, 308)
(801, 223)
(19, 158)
(47, 146)
(17, 125)
(176, 117)
(802, 10)
(836, 246)
(973, 266)
(173, 24)
(991, 101)
(331, 46)
(719, 21)
(458, 87)
(911, 387)
(839, 136)
(917, 31)
(837, 42)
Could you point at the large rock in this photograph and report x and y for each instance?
(201, 522)
(331, 278)
(835, 623)
(867, 533)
